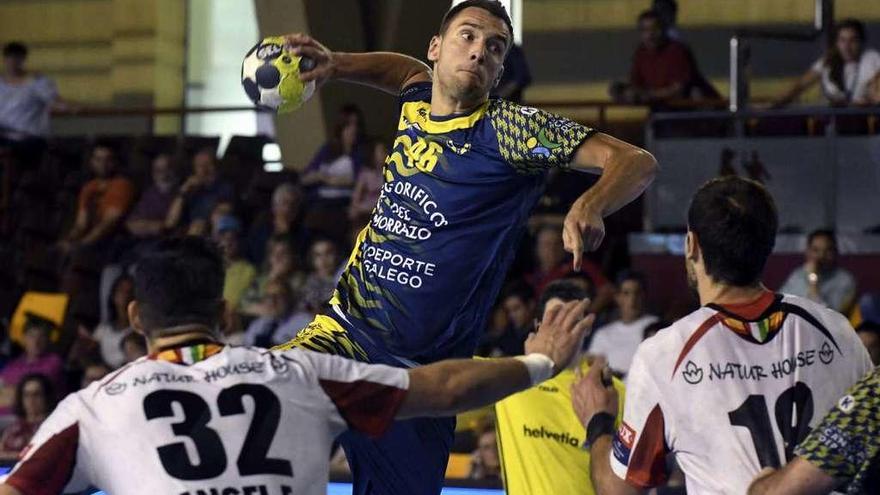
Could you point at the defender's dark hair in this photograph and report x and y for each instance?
(177, 282)
(493, 7)
(561, 289)
(15, 49)
(829, 233)
(48, 390)
(735, 222)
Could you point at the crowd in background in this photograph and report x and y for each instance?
(283, 256)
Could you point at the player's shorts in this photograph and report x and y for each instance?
(411, 458)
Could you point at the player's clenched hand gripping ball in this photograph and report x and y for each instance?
(270, 75)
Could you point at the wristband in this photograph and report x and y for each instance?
(602, 423)
(540, 366)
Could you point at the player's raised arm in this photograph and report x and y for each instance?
(453, 386)
(626, 170)
(387, 71)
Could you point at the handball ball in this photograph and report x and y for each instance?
(270, 76)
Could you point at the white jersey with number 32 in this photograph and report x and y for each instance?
(234, 421)
(732, 390)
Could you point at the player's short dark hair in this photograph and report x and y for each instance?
(650, 14)
(563, 290)
(493, 7)
(827, 233)
(15, 49)
(48, 390)
(634, 276)
(735, 221)
(179, 281)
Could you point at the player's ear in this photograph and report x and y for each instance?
(134, 317)
(434, 48)
(691, 246)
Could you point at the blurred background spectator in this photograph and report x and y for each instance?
(147, 219)
(25, 97)
(285, 218)
(199, 195)
(516, 76)
(485, 462)
(321, 280)
(240, 273)
(34, 401)
(845, 72)
(36, 358)
(368, 185)
(110, 334)
(820, 278)
(618, 340)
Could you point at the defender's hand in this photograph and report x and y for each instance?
(589, 395)
(561, 334)
(306, 46)
(583, 229)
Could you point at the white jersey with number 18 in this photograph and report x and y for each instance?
(732, 390)
(209, 419)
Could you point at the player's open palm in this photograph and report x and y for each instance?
(324, 63)
(562, 332)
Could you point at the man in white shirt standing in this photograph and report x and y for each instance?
(618, 340)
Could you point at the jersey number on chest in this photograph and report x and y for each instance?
(253, 458)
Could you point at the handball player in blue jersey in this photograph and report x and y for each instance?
(464, 173)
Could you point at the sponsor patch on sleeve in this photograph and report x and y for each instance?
(622, 443)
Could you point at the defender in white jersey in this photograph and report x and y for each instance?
(199, 417)
(733, 387)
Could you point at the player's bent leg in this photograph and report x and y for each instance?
(326, 335)
(409, 459)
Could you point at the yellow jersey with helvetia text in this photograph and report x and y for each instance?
(540, 438)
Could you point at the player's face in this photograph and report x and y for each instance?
(849, 45)
(468, 57)
(821, 253)
(650, 32)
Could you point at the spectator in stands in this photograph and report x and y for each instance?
(93, 372)
(652, 329)
(147, 219)
(333, 169)
(321, 281)
(869, 332)
(102, 204)
(281, 265)
(285, 218)
(280, 320)
(34, 401)
(516, 76)
(553, 264)
(618, 340)
(820, 279)
(37, 358)
(668, 12)
(133, 346)
(198, 195)
(368, 185)
(240, 273)
(663, 69)
(485, 462)
(846, 71)
(109, 334)
(518, 302)
(26, 98)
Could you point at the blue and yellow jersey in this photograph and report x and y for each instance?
(457, 193)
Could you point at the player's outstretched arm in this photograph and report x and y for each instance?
(449, 387)
(387, 71)
(626, 170)
(798, 477)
